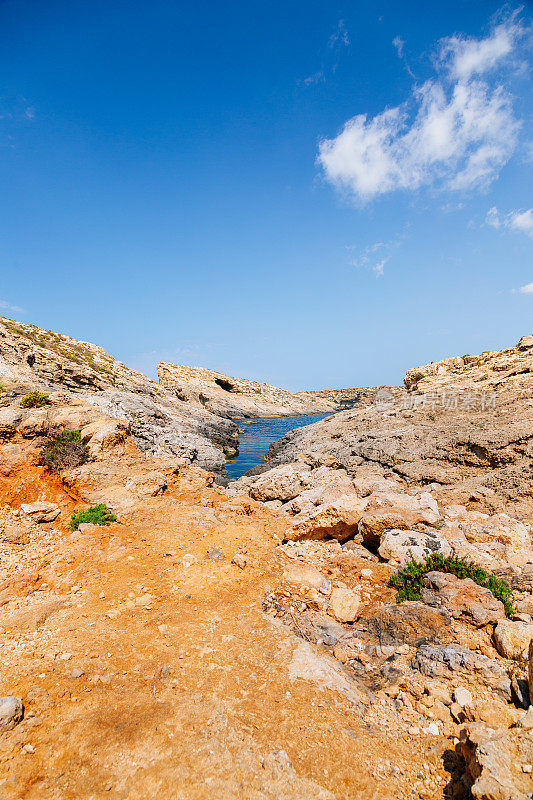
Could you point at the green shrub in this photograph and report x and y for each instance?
(2, 389)
(410, 578)
(35, 400)
(64, 451)
(419, 376)
(98, 515)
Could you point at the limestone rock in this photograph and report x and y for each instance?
(400, 545)
(465, 434)
(337, 520)
(227, 396)
(462, 598)
(411, 623)
(33, 358)
(435, 660)
(512, 639)
(40, 511)
(282, 483)
(304, 575)
(344, 604)
(493, 759)
(11, 712)
(492, 542)
(371, 527)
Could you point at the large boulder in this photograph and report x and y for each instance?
(40, 511)
(401, 545)
(492, 542)
(440, 660)
(11, 712)
(512, 639)
(283, 483)
(411, 623)
(462, 598)
(494, 759)
(344, 604)
(337, 520)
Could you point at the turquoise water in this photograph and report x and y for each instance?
(259, 435)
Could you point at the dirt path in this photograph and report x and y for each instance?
(186, 689)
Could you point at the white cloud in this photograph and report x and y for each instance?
(465, 57)
(493, 217)
(521, 221)
(454, 132)
(5, 306)
(527, 289)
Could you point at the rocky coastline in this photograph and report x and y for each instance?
(353, 619)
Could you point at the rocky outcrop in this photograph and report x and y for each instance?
(507, 369)
(466, 424)
(232, 397)
(34, 358)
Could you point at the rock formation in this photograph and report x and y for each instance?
(33, 358)
(238, 397)
(250, 642)
(466, 422)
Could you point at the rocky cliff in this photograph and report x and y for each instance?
(467, 420)
(238, 397)
(34, 358)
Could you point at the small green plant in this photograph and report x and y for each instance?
(484, 378)
(419, 376)
(2, 389)
(98, 515)
(64, 451)
(35, 400)
(410, 578)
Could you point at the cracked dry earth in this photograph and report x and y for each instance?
(148, 668)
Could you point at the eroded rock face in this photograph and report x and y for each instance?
(494, 759)
(401, 545)
(470, 437)
(435, 660)
(411, 623)
(462, 598)
(337, 520)
(227, 396)
(33, 358)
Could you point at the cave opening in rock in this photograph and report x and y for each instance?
(226, 385)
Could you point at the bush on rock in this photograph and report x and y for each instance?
(409, 578)
(35, 400)
(97, 515)
(64, 451)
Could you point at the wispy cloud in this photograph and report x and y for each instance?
(340, 37)
(338, 40)
(455, 131)
(374, 257)
(527, 289)
(5, 306)
(399, 44)
(521, 221)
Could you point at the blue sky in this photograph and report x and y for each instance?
(315, 194)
